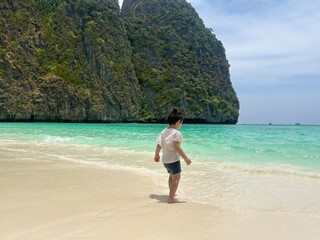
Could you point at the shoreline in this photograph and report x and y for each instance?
(128, 121)
(43, 197)
(163, 121)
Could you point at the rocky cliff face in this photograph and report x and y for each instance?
(66, 61)
(63, 60)
(178, 61)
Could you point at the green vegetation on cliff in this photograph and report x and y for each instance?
(66, 60)
(63, 60)
(178, 61)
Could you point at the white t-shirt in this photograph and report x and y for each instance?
(165, 140)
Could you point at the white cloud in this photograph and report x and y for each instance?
(267, 45)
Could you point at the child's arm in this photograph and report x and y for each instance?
(157, 153)
(179, 150)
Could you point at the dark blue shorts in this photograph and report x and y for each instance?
(173, 168)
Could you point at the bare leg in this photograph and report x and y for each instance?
(169, 181)
(173, 186)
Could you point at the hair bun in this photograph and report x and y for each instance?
(174, 116)
(174, 111)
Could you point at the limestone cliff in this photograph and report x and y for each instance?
(83, 61)
(179, 62)
(66, 61)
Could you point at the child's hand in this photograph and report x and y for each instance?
(156, 158)
(188, 161)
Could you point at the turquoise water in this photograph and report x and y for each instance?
(259, 145)
(240, 167)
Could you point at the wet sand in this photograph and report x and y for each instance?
(43, 197)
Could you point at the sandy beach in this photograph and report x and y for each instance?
(45, 198)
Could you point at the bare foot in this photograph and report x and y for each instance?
(172, 200)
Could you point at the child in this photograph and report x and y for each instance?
(169, 141)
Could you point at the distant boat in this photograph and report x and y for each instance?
(297, 124)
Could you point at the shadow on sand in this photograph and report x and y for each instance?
(162, 198)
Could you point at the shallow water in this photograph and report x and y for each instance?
(243, 167)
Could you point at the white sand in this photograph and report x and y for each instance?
(42, 197)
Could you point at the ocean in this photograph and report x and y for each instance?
(241, 167)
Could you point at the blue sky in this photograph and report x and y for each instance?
(273, 47)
